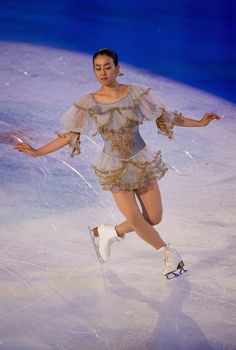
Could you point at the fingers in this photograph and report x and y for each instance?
(22, 147)
(19, 145)
(213, 115)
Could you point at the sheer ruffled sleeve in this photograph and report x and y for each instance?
(152, 108)
(79, 119)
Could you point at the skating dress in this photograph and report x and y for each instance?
(126, 162)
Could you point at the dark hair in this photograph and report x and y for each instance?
(108, 52)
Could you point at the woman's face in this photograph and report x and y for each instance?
(105, 70)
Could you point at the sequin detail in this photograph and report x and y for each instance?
(167, 128)
(96, 110)
(121, 140)
(164, 122)
(132, 174)
(125, 162)
(74, 143)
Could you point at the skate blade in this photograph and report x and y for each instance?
(100, 259)
(178, 272)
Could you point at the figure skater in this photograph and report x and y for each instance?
(126, 166)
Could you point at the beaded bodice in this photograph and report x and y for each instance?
(122, 142)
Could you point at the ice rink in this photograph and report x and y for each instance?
(53, 292)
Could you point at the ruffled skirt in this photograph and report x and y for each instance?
(142, 169)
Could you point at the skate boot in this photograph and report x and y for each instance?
(107, 235)
(173, 265)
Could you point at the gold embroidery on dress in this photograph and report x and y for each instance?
(148, 171)
(178, 120)
(165, 124)
(95, 110)
(74, 143)
(121, 140)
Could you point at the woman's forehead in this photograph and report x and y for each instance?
(103, 59)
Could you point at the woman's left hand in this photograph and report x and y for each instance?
(208, 117)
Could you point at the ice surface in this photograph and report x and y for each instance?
(53, 292)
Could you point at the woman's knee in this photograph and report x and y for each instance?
(154, 220)
(134, 218)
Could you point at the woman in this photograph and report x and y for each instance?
(126, 167)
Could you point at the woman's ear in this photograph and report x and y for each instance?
(119, 72)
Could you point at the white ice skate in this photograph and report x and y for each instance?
(173, 265)
(107, 235)
(95, 244)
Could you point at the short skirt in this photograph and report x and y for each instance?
(137, 172)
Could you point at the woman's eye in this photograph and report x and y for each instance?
(106, 68)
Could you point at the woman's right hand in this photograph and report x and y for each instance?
(25, 147)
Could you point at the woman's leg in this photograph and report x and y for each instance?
(127, 204)
(141, 223)
(150, 200)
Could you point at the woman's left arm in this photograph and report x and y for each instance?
(206, 119)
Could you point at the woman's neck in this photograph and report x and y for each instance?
(111, 89)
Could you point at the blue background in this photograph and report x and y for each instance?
(189, 41)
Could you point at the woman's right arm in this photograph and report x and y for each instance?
(52, 146)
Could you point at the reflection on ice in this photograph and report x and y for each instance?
(188, 154)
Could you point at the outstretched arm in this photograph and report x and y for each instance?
(52, 146)
(206, 119)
